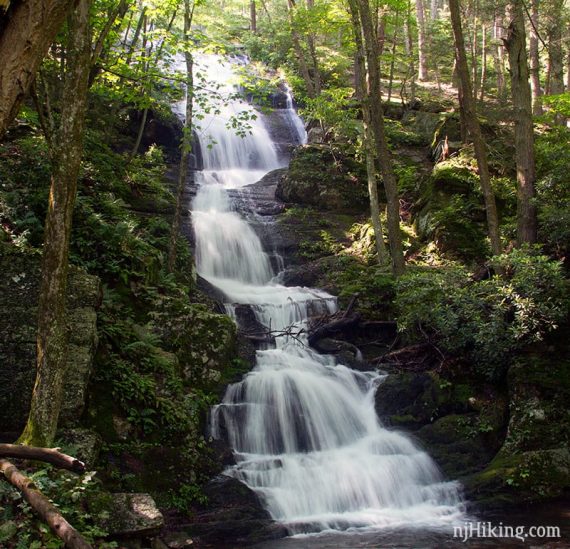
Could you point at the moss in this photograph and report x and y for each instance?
(325, 177)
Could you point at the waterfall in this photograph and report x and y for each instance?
(302, 427)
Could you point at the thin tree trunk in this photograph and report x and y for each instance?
(313, 53)
(433, 10)
(498, 56)
(555, 55)
(409, 42)
(534, 60)
(515, 43)
(472, 122)
(186, 146)
(27, 33)
(66, 160)
(252, 17)
(393, 56)
(303, 68)
(483, 62)
(474, 52)
(382, 152)
(369, 146)
(422, 44)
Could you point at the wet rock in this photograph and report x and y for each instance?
(234, 515)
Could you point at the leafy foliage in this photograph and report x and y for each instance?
(485, 321)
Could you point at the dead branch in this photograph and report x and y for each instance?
(48, 455)
(43, 507)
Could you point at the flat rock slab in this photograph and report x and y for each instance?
(132, 515)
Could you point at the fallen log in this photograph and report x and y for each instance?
(48, 455)
(43, 507)
(334, 327)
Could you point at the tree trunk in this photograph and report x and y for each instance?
(29, 29)
(382, 152)
(409, 43)
(67, 148)
(422, 45)
(468, 102)
(474, 52)
(515, 43)
(534, 60)
(393, 56)
(369, 147)
(186, 147)
(483, 62)
(498, 56)
(555, 55)
(252, 17)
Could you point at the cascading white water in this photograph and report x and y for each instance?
(303, 428)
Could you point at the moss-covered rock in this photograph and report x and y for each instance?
(450, 211)
(19, 287)
(534, 462)
(459, 422)
(327, 178)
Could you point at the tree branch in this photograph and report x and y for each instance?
(48, 455)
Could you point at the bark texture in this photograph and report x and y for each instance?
(48, 455)
(66, 151)
(377, 122)
(25, 38)
(534, 68)
(370, 151)
(422, 44)
(515, 43)
(470, 115)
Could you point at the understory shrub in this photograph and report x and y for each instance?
(485, 321)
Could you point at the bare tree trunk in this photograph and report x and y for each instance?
(393, 56)
(555, 52)
(370, 151)
(29, 29)
(382, 151)
(409, 43)
(252, 17)
(67, 148)
(313, 53)
(469, 108)
(498, 56)
(515, 43)
(474, 52)
(433, 10)
(534, 60)
(483, 62)
(186, 147)
(422, 44)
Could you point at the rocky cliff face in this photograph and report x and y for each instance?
(18, 309)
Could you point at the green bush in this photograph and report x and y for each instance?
(489, 320)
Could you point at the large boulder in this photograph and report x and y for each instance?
(458, 420)
(534, 462)
(234, 515)
(325, 178)
(19, 288)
